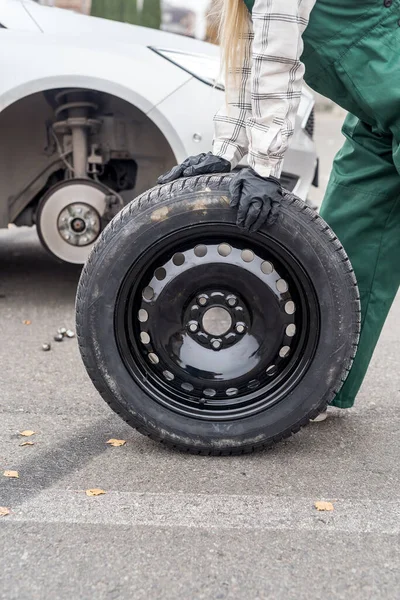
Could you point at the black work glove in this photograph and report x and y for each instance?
(258, 199)
(202, 164)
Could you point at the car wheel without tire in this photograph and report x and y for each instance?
(210, 339)
(70, 218)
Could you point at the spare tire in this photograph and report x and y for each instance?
(208, 338)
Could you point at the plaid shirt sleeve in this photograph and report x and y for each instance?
(259, 117)
(230, 136)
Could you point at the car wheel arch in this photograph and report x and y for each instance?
(106, 87)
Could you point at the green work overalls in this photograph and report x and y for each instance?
(352, 55)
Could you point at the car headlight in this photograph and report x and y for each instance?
(203, 67)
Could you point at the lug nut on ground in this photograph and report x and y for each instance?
(64, 332)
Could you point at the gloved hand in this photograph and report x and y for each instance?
(258, 199)
(202, 164)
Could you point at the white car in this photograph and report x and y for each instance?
(92, 111)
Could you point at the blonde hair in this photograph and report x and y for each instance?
(233, 19)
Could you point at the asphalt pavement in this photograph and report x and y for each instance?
(172, 526)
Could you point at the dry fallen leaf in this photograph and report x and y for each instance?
(323, 505)
(27, 432)
(114, 442)
(12, 474)
(4, 511)
(27, 322)
(27, 444)
(94, 492)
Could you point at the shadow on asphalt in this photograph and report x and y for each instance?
(59, 461)
(313, 445)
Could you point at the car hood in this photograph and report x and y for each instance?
(64, 22)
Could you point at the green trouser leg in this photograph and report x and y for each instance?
(352, 56)
(362, 205)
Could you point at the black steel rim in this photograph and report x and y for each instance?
(216, 325)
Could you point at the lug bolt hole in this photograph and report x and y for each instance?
(240, 328)
(193, 326)
(231, 301)
(202, 300)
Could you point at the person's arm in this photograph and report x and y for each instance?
(260, 113)
(230, 135)
(276, 80)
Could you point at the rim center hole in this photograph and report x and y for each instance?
(217, 321)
